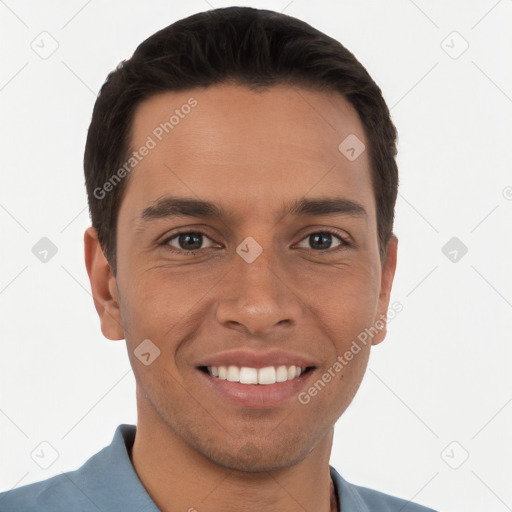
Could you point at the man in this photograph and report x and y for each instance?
(241, 176)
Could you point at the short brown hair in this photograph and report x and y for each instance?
(242, 45)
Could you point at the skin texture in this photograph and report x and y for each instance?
(250, 152)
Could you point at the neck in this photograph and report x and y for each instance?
(178, 478)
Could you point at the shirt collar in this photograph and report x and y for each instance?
(112, 468)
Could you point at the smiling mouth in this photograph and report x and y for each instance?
(260, 376)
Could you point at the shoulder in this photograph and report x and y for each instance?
(55, 494)
(381, 502)
(86, 488)
(356, 498)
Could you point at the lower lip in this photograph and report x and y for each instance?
(257, 395)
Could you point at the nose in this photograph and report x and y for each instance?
(257, 297)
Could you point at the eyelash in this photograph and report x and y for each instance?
(344, 242)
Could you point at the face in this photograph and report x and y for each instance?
(282, 269)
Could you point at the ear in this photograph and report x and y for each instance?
(388, 273)
(103, 286)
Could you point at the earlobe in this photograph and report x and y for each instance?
(388, 273)
(103, 287)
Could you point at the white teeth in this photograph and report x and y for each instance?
(282, 373)
(222, 372)
(267, 375)
(233, 374)
(247, 375)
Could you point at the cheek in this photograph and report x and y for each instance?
(346, 300)
(164, 305)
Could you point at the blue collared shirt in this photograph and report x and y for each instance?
(108, 482)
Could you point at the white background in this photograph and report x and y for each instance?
(443, 373)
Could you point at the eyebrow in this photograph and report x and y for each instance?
(187, 207)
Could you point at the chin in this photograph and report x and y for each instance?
(257, 457)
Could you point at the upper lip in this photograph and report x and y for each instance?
(253, 359)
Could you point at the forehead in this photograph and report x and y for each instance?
(230, 143)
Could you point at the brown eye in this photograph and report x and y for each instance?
(322, 241)
(187, 241)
